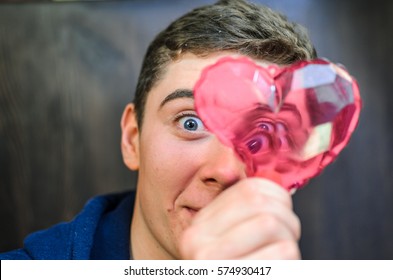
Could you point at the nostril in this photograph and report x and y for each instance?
(220, 184)
(210, 181)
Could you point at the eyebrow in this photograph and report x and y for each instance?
(179, 93)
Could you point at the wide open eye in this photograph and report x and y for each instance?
(266, 126)
(191, 123)
(259, 144)
(258, 139)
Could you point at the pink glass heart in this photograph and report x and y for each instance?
(286, 124)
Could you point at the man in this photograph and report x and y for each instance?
(192, 200)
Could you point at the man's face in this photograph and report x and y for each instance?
(182, 167)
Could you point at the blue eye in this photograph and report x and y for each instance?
(191, 123)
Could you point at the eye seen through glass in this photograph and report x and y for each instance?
(190, 123)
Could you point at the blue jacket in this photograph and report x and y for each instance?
(101, 231)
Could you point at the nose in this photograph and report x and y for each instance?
(223, 167)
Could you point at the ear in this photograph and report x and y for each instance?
(130, 138)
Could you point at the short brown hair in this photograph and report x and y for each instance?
(228, 25)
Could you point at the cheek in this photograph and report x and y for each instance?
(169, 166)
(169, 163)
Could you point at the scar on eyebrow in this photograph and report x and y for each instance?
(179, 93)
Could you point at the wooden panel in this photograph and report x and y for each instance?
(66, 72)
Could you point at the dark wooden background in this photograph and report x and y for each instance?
(68, 69)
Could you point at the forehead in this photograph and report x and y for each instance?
(182, 74)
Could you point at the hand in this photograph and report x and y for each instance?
(253, 219)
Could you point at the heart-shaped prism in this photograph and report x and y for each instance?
(284, 123)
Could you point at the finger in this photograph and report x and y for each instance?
(282, 250)
(272, 189)
(246, 196)
(247, 237)
(219, 220)
(223, 221)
